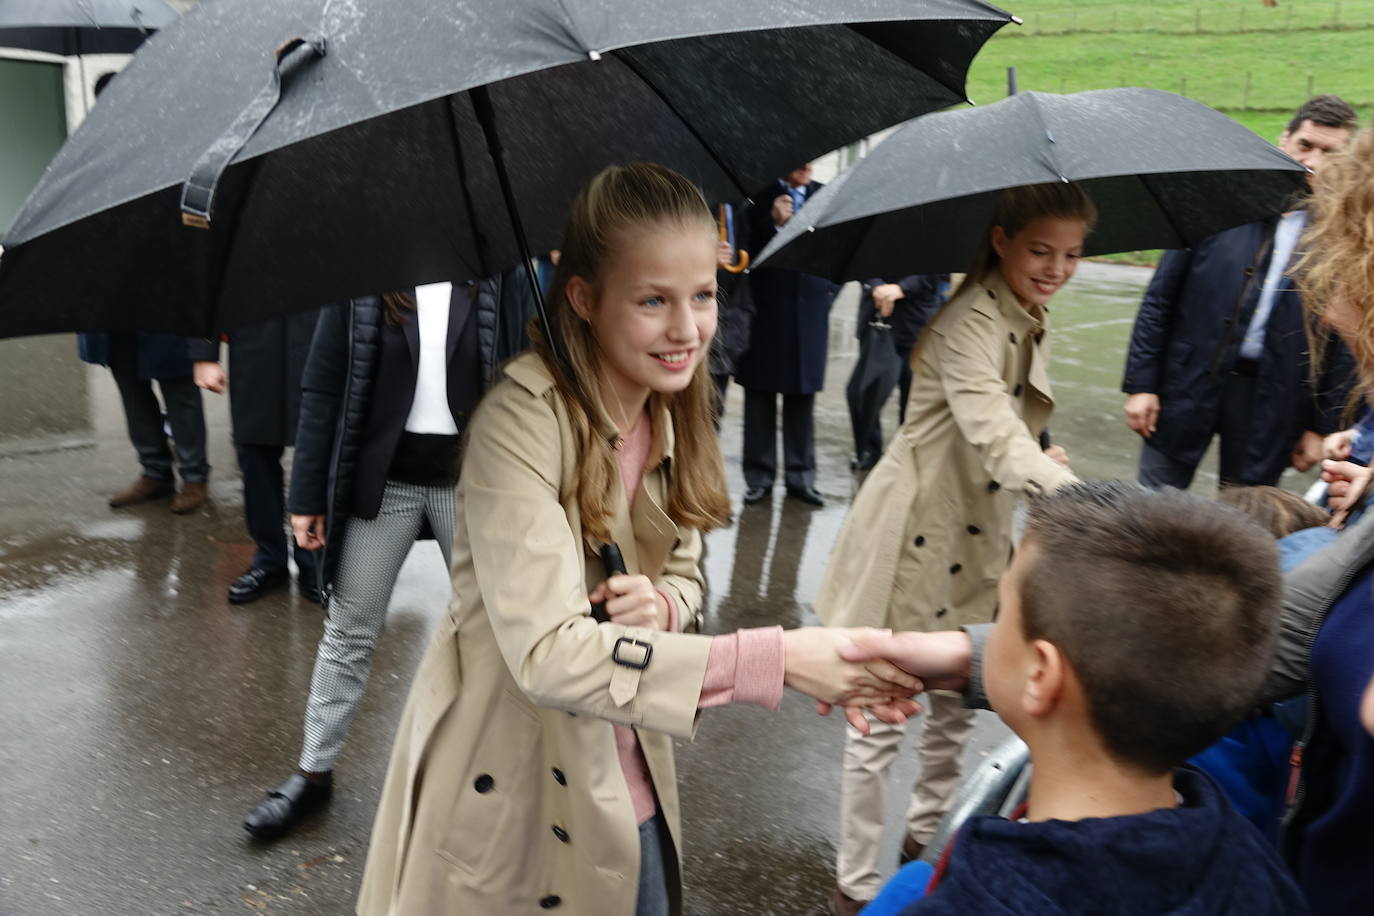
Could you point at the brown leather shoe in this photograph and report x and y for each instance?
(911, 850)
(142, 490)
(191, 498)
(841, 904)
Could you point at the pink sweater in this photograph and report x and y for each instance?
(743, 667)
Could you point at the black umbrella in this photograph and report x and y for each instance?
(1164, 172)
(372, 170)
(73, 27)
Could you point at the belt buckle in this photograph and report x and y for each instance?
(637, 663)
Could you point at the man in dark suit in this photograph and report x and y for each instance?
(1219, 345)
(264, 401)
(786, 355)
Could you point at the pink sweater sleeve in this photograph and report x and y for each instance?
(744, 667)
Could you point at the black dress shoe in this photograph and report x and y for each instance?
(306, 586)
(255, 583)
(808, 495)
(286, 805)
(755, 494)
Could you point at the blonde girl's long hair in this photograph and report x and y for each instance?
(1338, 263)
(610, 210)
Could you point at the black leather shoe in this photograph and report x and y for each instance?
(308, 590)
(808, 495)
(286, 805)
(255, 583)
(755, 494)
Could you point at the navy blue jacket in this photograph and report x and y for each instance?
(1186, 339)
(1200, 859)
(160, 356)
(791, 326)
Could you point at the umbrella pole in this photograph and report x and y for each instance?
(486, 116)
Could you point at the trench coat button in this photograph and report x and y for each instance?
(974, 529)
(558, 777)
(1012, 335)
(955, 568)
(677, 543)
(1016, 392)
(549, 902)
(484, 783)
(561, 834)
(920, 540)
(993, 486)
(991, 294)
(941, 612)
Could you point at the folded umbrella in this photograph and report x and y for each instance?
(319, 149)
(1164, 172)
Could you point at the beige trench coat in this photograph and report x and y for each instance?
(505, 794)
(930, 531)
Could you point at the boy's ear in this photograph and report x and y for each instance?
(1045, 681)
(579, 293)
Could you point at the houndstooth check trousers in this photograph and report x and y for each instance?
(370, 559)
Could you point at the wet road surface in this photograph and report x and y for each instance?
(141, 716)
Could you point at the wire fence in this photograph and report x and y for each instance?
(1229, 92)
(1216, 18)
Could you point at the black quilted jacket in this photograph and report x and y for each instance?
(336, 388)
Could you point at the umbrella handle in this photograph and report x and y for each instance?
(741, 256)
(198, 193)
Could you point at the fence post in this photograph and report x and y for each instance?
(1011, 81)
(1240, 26)
(1114, 12)
(1336, 15)
(1183, 85)
(1309, 85)
(1245, 101)
(1061, 85)
(1197, 21)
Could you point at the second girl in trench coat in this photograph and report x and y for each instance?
(930, 531)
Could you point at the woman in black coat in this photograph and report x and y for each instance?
(387, 390)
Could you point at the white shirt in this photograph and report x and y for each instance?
(429, 411)
(1285, 240)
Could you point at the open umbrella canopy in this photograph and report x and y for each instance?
(1164, 172)
(81, 26)
(371, 170)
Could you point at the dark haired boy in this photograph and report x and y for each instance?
(1134, 628)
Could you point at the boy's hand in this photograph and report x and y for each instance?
(895, 713)
(941, 660)
(812, 664)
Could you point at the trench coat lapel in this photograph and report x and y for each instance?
(411, 328)
(644, 533)
(1023, 324)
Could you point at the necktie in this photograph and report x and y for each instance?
(798, 197)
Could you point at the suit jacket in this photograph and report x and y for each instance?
(790, 330)
(1187, 336)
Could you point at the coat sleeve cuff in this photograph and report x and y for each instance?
(975, 697)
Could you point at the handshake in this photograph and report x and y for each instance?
(874, 670)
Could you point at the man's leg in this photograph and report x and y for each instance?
(1158, 470)
(263, 503)
(143, 415)
(863, 806)
(187, 418)
(760, 438)
(799, 440)
(948, 727)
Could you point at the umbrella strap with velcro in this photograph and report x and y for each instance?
(198, 193)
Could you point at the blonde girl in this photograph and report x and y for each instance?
(533, 769)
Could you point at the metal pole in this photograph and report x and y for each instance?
(1011, 81)
(486, 116)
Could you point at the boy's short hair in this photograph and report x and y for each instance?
(1165, 604)
(1326, 111)
(1277, 511)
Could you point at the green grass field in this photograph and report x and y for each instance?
(1100, 44)
(1252, 62)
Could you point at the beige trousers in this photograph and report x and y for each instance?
(863, 805)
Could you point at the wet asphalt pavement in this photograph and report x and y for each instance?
(141, 715)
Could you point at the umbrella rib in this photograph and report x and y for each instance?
(1168, 216)
(624, 58)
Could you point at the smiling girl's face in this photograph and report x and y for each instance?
(1040, 258)
(653, 309)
